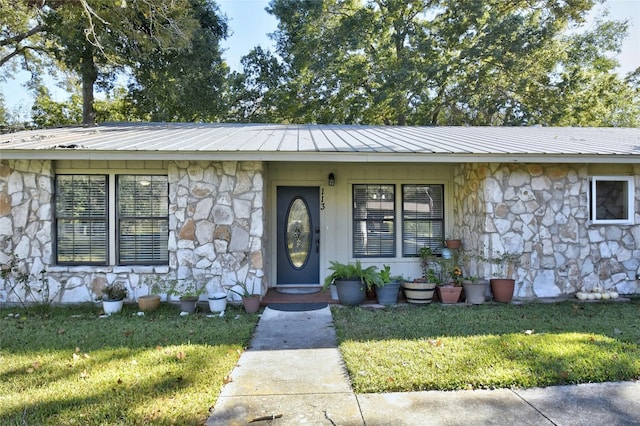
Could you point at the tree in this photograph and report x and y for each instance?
(443, 62)
(185, 83)
(170, 49)
(21, 43)
(162, 44)
(49, 113)
(253, 93)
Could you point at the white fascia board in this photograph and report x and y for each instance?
(340, 157)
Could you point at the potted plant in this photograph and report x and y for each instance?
(452, 288)
(188, 291)
(150, 302)
(218, 301)
(352, 281)
(250, 301)
(503, 283)
(388, 287)
(474, 289)
(113, 296)
(420, 290)
(452, 243)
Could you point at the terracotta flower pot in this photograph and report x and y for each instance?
(449, 295)
(502, 289)
(251, 304)
(453, 244)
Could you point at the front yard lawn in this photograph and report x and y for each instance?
(411, 348)
(74, 368)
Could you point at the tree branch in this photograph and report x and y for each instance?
(19, 37)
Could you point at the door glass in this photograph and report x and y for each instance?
(298, 235)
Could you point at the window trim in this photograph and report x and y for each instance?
(119, 219)
(443, 220)
(630, 213)
(112, 256)
(394, 230)
(57, 216)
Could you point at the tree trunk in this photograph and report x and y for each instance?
(89, 76)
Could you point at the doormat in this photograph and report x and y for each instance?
(297, 307)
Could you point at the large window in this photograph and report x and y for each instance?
(84, 217)
(143, 224)
(612, 200)
(81, 219)
(422, 218)
(374, 221)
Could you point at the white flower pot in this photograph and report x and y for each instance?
(218, 302)
(112, 306)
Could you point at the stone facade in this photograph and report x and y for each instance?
(542, 212)
(216, 224)
(217, 228)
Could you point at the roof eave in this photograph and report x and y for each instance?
(333, 156)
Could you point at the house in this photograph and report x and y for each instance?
(273, 204)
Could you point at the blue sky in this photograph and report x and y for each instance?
(249, 25)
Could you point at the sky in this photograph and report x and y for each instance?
(250, 25)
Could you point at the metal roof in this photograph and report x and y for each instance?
(275, 142)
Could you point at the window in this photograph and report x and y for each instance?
(422, 218)
(374, 221)
(140, 218)
(143, 223)
(81, 219)
(612, 200)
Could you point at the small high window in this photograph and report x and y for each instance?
(612, 200)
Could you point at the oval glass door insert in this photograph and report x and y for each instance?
(298, 236)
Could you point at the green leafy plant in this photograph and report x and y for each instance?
(353, 271)
(428, 260)
(432, 276)
(387, 278)
(184, 288)
(115, 291)
(158, 284)
(27, 288)
(505, 262)
(244, 289)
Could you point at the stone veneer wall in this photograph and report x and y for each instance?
(216, 226)
(216, 223)
(26, 189)
(541, 211)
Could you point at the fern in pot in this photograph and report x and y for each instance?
(352, 281)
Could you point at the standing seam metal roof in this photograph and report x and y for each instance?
(388, 143)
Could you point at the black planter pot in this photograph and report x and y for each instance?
(388, 294)
(351, 292)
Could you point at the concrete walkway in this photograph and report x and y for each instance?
(293, 374)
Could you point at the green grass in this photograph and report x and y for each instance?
(410, 348)
(74, 368)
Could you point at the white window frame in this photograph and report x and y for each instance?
(112, 217)
(629, 220)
